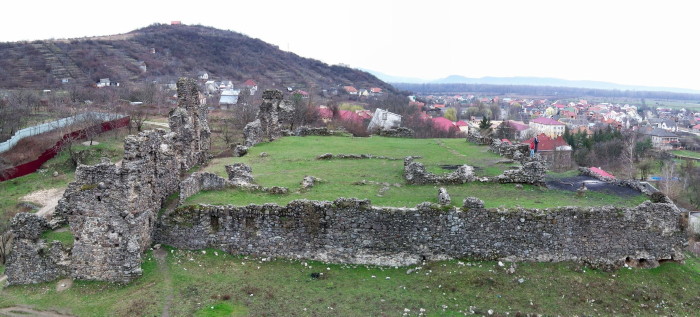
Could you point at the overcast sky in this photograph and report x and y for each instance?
(652, 43)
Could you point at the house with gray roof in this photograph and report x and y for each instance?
(662, 139)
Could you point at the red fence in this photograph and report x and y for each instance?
(31, 167)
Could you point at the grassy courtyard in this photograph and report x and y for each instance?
(289, 159)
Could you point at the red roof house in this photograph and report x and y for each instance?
(250, 83)
(601, 172)
(443, 124)
(549, 144)
(350, 89)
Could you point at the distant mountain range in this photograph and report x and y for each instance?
(527, 81)
(162, 53)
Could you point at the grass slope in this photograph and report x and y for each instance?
(217, 284)
(290, 159)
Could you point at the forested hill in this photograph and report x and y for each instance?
(164, 52)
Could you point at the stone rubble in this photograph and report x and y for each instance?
(443, 197)
(415, 173)
(266, 127)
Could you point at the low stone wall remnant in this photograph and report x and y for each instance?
(400, 132)
(512, 151)
(34, 260)
(415, 173)
(354, 231)
(330, 156)
(532, 171)
(309, 131)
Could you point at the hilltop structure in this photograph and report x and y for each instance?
(112, 209)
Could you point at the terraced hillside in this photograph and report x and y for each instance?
(168, 52)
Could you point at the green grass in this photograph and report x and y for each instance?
(290, 159)
(63, 235)
(240, 286)
(687, 153)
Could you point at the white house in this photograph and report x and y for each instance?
(229, 97)
(383, 120)
(552, 128)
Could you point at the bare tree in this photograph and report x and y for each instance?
(6, 238)
(669, 183)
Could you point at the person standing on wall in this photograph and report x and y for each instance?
(532, 148)
(537, 142)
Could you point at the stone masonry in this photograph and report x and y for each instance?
(353, 231)
(111, 209)
(32, 259)
(267, 125)
(415, 173)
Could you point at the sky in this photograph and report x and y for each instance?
(650, 43)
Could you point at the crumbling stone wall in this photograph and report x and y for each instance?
(476, 138)
(532, 171)
(111, 210)
(201, 181)
(33, 260)
(267, 125)
(415, 173)
(353, 231)
(307, 131)
(511, 151)
(400, 132)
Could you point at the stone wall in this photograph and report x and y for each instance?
(476, 138)
(308, 131)
(353, 231)
(111, 209)
(266, 127)
(201, 181)
(33, 260)
(512, 151)
(532, 171)
(400, 132)
(415, 173)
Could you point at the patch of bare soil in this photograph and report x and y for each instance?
(23, 311)
(48, 198)
(64, 284)
(161, 255)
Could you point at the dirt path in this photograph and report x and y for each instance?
(453, 151)
(160, 124)
(48, 198)
(22, 311)
(161, 256)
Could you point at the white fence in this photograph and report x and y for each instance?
(46, 127)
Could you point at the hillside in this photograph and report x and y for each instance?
(168, 52)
